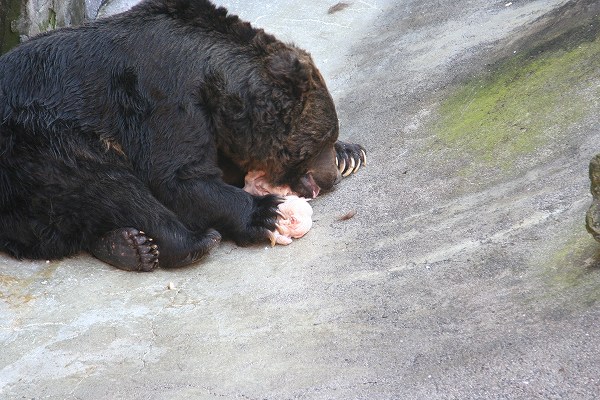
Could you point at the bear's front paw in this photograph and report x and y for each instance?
(349, 157)
(264, 218)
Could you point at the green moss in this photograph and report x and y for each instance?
(525, 102)
(572, 271)
(50, 24)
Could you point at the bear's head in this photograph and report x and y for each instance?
(310, 163)
(303, 156)
(273, 113)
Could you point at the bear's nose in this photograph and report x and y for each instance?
(338, 178)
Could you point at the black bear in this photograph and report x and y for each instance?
(129, 137)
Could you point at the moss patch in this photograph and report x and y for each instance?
(572, 271)
(524, 102)
(50, 23)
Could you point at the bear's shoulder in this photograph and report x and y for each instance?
(197, 13)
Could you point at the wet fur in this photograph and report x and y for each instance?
(127, 121)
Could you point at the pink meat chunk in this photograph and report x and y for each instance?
(256, 184)
(296, 214)
(295, 221)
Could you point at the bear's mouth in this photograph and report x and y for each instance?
(309, 186)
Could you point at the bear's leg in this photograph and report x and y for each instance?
(96, 207)
(147, 234)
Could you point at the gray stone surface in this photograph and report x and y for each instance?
(459, 277)
(44, 15)
(22, 19)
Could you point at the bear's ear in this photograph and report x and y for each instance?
(290, 71)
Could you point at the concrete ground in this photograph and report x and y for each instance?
(466, 272)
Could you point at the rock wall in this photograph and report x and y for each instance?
(9, 14)
(21, 19)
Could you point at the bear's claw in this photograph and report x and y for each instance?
(262, 222)
(349, 158)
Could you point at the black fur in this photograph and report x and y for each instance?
(123, 124)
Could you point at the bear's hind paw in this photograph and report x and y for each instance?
(127, 249)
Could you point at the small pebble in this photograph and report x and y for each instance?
(171, 286)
